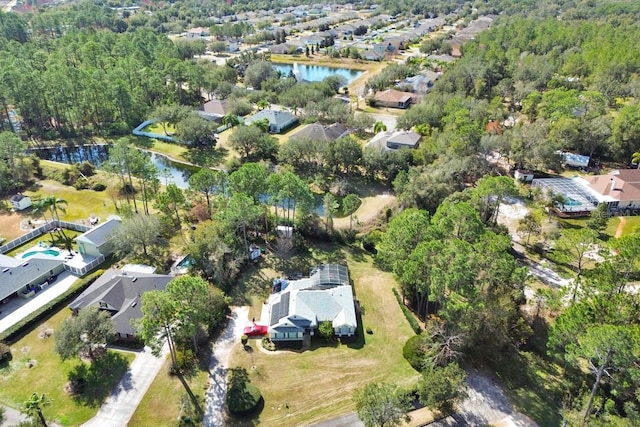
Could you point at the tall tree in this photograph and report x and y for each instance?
(380, 405)
(139, 233)
(442, 388)
(170, 202)
(90, 330)
(330, 205)
(350, 205)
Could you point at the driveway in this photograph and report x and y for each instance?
(17, 308)
(12, 417)
(119, 407)
(389, 120)
(219, 365)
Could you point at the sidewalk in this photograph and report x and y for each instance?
(17, 308)
(118, 408)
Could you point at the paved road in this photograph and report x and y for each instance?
(12, 417)
(119, 407)
(17, 308)
(218, 367)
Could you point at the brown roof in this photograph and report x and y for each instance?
(216, 107)
(622, 185)
(392, 95)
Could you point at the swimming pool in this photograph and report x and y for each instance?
(51, 252)
(186, 262)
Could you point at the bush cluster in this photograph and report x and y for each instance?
(408, 314)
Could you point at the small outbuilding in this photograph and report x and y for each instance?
(20, 202)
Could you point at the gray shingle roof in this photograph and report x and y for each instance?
(279, 118)
(318, 132)
(122, 293)
(100, 234)
(25, 272)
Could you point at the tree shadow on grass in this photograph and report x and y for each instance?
(95, 381)
(206, 156)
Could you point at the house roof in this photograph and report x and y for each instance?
(99, 235)
(324, 296)
(620, 185)
(408, 139)
(120, 293)
(394, 96)
(216, 107)
(17, 197)
(15, 276)
(318, 132)
(278, 118)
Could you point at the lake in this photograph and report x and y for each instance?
(316, 73)
(168, 170)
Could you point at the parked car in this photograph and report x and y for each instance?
(256, 330)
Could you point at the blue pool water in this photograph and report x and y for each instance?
(186, 262)
(51, 252)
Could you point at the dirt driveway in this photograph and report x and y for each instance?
(10, 225)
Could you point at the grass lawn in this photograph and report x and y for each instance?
(175, 151)
(157, 128)
(162, 403)
(632, 225)
(49, 375)
(303, 388)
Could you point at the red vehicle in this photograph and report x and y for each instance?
(255, 330)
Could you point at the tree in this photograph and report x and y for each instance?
(250, 179)
(257, 72)
(84, 333)
(598, 218)
(33, 407)
(325, 330)
(607, 349)
(574, 245)
(379, 127)
(529, 225)
(253, 143)
(380, 405)
(170, 202)
(138, 233)
(230, 120)
(13, 161)
(207, 181)
(330, 205)
(442, 388)
(170, 115)
(635, 158)
(350, 205)
(195, 131)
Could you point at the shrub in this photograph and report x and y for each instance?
(407, 313)
(325, 330)
(244, 340)
(370, 241)
(242, 396)
(267, 344)
(5, 352)
(413, 352)
(81, 183)
(98, 186)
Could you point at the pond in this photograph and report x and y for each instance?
(316, 73)
(168, 170)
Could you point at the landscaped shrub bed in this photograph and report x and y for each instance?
(17, 331)
(408, 314)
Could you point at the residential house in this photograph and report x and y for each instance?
(394, 140)
(215, 109)
(198, 32)
(620, 190)
(297, 307)
(25, 277)
(420, 83)
(318, 132)
(119, 292)
(285, 49)
(279, 121)
(97, 241)
(371, 55)
(20, 202)
(394, 99)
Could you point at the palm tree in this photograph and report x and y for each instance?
(262, 104)
(379, 127)
(55, 204)
(262, 124)
(230, 120)
(635, 158)
(33, 407)
(40, 207)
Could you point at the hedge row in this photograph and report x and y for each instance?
(408, 314)
(26, 325)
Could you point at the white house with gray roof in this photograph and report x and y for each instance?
(119, 292)
(298, 307)
(96, 241)
(394, 140)
(24, 277)
(279, 121)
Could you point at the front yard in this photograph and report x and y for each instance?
(35, 367)
(318, 384)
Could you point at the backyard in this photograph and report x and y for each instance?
(303, 388)
(35, 367)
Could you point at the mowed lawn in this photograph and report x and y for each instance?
(49, 375)
(318, 384)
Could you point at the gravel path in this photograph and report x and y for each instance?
(219, 365)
